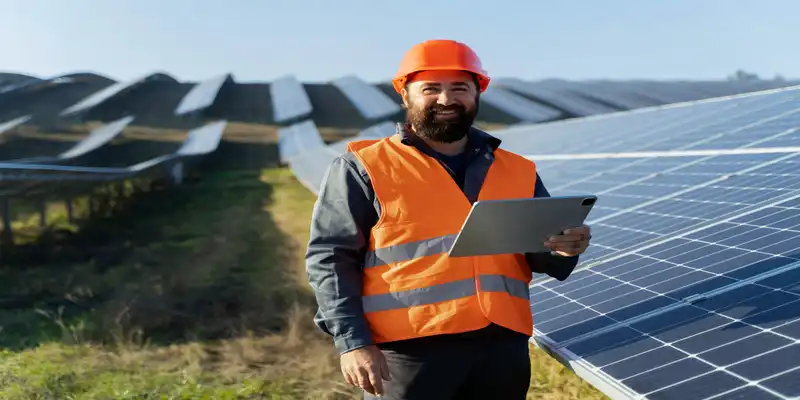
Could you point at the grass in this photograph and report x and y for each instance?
(196, 292)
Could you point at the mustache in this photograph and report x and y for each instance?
(438, 108)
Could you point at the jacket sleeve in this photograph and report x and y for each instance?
(555, 266)
(342, 218)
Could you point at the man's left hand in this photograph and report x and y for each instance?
(572, 242)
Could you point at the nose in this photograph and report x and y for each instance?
(445, 98)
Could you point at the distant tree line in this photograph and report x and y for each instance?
(742, 75)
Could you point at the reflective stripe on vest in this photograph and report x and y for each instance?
(411, 288)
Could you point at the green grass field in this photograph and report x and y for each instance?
(193, 292)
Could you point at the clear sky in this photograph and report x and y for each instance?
(317, 40)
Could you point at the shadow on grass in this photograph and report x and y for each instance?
(200, 261)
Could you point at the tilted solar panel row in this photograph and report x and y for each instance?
(692, 288)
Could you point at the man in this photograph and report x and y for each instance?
(408, 321)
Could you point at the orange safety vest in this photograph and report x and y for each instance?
(411, 288)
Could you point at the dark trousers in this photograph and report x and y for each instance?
(492, 364)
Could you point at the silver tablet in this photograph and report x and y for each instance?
(518, 225)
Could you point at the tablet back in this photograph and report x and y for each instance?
(518, 225)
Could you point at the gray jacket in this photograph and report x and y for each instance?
(344, 213)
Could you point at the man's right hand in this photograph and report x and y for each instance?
(364, 368)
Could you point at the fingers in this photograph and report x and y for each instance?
(364, 381)
(385, 370)
(581, 230)
(375, 382)
(565, 238)
(367, 378)
(571, 248)
(348, 377)
(571, 242)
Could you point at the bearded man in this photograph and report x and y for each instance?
(408, 321)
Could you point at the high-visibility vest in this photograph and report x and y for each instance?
(411, 288)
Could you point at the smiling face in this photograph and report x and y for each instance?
(441, 105)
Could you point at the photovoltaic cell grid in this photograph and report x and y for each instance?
(628, 188)
(709, 124)
(705, 302)
(651, 320)
(652, 200)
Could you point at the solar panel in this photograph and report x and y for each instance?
(309, 168)
(692, 286)
(289, 99)
(99, 97)
(9, 125)
(297, 139)
(518, 106)
(368, 99)
(689, 125)
(381, 130)
(694, 316)
(203, 140)
(617, 93)
(97, 138)
(21, 85)
(202, 95)
(555, 94)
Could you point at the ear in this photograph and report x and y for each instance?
(404, 96)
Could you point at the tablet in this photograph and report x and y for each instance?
(518, 225)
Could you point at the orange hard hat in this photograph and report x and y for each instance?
(440, 55)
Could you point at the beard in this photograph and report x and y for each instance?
(425, 125)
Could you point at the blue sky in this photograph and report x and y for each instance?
(317, 40)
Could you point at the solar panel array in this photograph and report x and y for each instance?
(692, 286)
(691, 289)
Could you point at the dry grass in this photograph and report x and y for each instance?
(197, 292)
